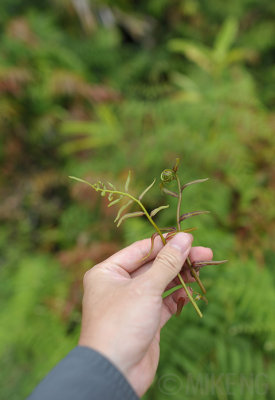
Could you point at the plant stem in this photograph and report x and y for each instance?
(97, 189)
(179, 276)
(190, 296)
(164, 242)
(154, 225)
(196, 276)
(193, 272)
(151, 221)
(179, 202)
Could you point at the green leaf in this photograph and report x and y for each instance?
(122, 209)
(128, 181)
(115, 201)
(192, 214)
(237, 55)
(193, 182)
(130, 215)
(156, 210)
(170, 291)
(198, 54)
(176, 166)
(111, 185)
(82, 181)
(147, 189)
(169, 192)
(225, 39)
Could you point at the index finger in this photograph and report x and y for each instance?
(132, 257)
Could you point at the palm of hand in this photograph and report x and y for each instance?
(129, 314)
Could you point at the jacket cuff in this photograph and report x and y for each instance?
(84, 374)
(107, 374)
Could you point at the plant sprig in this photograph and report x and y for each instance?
(115, 196)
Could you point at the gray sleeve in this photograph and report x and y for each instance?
(84, 374)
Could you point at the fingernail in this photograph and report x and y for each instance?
(181, 241)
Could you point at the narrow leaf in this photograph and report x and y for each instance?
(168, 229)
(199, 264)
(111, 185)
(115, 201)
(193, 182)
(156, 210)
(151, 248)
(198, 54)
(170, 235)
(130, 215)
(81, 180)
(128, 181)
(225, 39)
(122, 209)
(169, 192)
(189, 229)
(196, 276)
(170, 291)
(176, 166)
(192, 214)
(147, 189)
(180, 305)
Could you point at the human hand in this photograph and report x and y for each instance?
(123, 309)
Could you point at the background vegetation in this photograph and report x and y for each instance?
(93, 88)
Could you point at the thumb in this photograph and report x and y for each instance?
(169, 261)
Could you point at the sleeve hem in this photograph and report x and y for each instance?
(120, 384)
(84, 374)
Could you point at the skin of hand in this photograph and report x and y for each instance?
(123, 309)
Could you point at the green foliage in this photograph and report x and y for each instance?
(24, 321)
(236, 365)
(97, 94)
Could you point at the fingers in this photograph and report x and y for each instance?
(201, 253)
(197, 253)
(131, 257)
(170, 305)
(170, 302)
(169, 261)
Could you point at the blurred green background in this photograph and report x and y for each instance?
(94, 88)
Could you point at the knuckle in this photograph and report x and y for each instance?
(168, 260)
(142, 248)
(87, 276)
